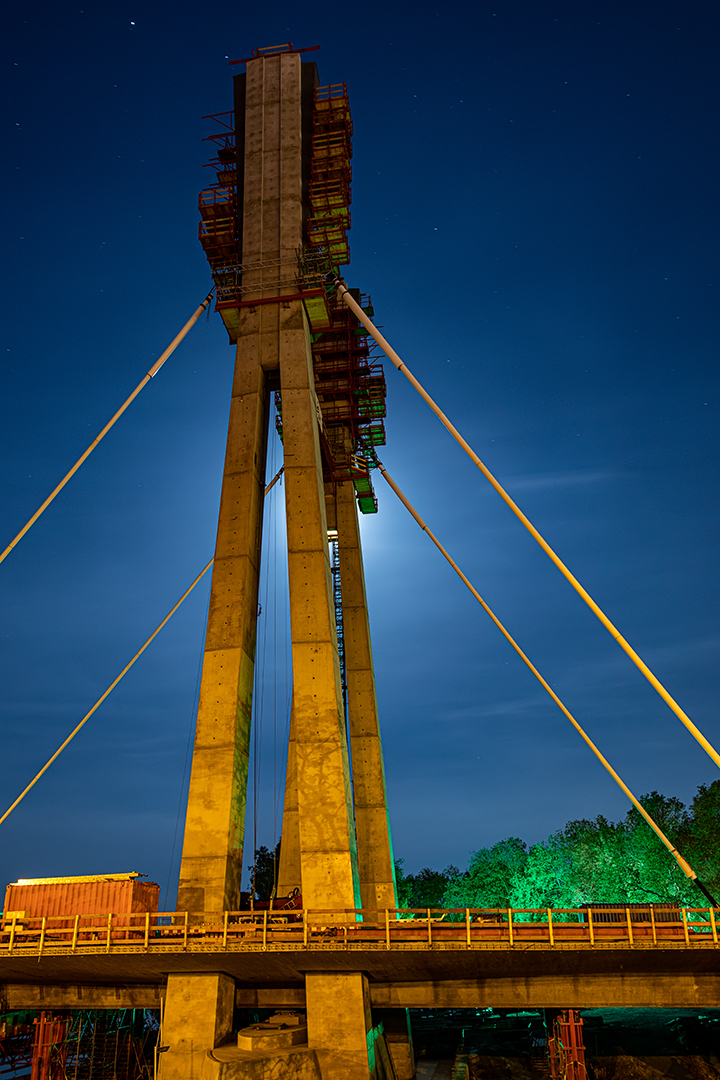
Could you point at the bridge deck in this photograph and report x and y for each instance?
(493, 955)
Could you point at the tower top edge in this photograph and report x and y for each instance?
(263, 52)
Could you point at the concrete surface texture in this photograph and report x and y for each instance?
(198, 1016)
(230, 1063)
(340, 1023)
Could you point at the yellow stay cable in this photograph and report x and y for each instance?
(110, 688)
(151, 373)
(639, 663)
(684, 866)
(124, 671)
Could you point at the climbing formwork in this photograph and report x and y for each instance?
(349, 379)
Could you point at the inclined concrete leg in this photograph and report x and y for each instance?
(211, 867)
(198, 1016)
(374, 845)
(328, 853)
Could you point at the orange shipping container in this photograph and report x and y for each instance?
(100, 894)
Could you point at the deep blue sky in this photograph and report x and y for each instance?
(535, 216)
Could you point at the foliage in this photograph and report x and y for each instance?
(264, 871)
(594, 861)
(491, 877)
(424, 889)
(702, 844)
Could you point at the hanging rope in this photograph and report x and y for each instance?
(639, 663)
(684, 866)
(151, 373)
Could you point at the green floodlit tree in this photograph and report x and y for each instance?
(652, 873)
(491, 879)
(598, 861)
(703, 843)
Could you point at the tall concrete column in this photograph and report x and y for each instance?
(272, 231)
(328, 856)
(340, 1027)
(375, 854)
(211, 865)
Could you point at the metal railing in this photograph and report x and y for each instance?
(358, 929)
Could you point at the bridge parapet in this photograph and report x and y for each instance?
(360, 929)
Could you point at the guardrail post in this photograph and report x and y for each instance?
(629, 925)
(511, 935)
(550, 926)
(75, 934)
(42, 935)
(685, 926)
(429, 927)
(12, 934)
(147, 930)
(185, 935)
(225, 926)
(591, 927)
(387, 928)
(305, 926)
(265, 922)
(714, 927)
(107, 945)
(468, 936)
(654, 927)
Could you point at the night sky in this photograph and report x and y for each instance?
(535, 216)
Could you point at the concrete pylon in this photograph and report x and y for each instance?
(272, 127)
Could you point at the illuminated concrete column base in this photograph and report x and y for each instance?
(198, 1017)
(340, 1028)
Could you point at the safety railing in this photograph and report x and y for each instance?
(345, 928)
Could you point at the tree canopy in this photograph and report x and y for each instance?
(263, 871)
(594, 861)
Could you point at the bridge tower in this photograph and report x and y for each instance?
(274, 229)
